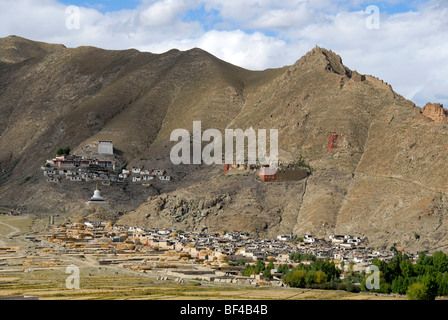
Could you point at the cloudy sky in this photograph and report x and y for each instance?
(404, 43)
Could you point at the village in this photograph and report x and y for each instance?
(216, 257)
(178, 255)
(101, 168)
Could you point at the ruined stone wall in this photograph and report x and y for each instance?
(358, 77)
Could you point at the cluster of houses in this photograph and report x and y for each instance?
(141, 175)
(11, 213)
(346, 248)
(96, 170)
(188, 254)
(74, 168)
(101, 168)
(80, 168)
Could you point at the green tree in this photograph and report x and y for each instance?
(442, 283)
(330, 269)
(248, 270)
(385, 287)
(321, 277)
(393, 248)
(407, 269)
(440, 261)
(351, 270)
(399, 285)
(429, 281)
(382, 265)
(424, 260)
(393, 267)
(295, 278)
(310, 278)
(63, 151)
(284, 268)
(259, 267)
(418, 291)
(299, 257)
(267, 272)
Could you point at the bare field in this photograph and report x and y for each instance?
(51, 286)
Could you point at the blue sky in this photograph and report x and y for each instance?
(104, 5)
(117, 5)
(211, 19)
(407, 50)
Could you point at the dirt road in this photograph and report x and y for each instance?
(13, 232)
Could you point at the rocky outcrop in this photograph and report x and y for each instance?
(435, 112)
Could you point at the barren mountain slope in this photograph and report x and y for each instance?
(385, 180)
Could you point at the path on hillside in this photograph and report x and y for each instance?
(15, 230)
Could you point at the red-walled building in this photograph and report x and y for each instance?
(267, 174)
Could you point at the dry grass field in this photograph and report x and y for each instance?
(51, 286)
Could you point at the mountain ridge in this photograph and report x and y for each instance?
(385, 179)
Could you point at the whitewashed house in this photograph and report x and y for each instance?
(285, 237)
(309, 238)
(49, 173)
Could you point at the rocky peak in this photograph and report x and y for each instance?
(327, 59)
(435, 112)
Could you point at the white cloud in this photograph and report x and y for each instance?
(408, 51)
(239, 48)
(165, 12)
(282, 18)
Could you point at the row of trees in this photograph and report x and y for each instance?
(300, 257)
(424, 280)
(260, 267)
(322, 271)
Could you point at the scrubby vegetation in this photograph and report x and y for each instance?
(63, 151)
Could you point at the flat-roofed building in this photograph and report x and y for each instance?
(105, 148)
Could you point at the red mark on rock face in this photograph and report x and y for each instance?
(332, 141)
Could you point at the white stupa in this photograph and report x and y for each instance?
(97, 198)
